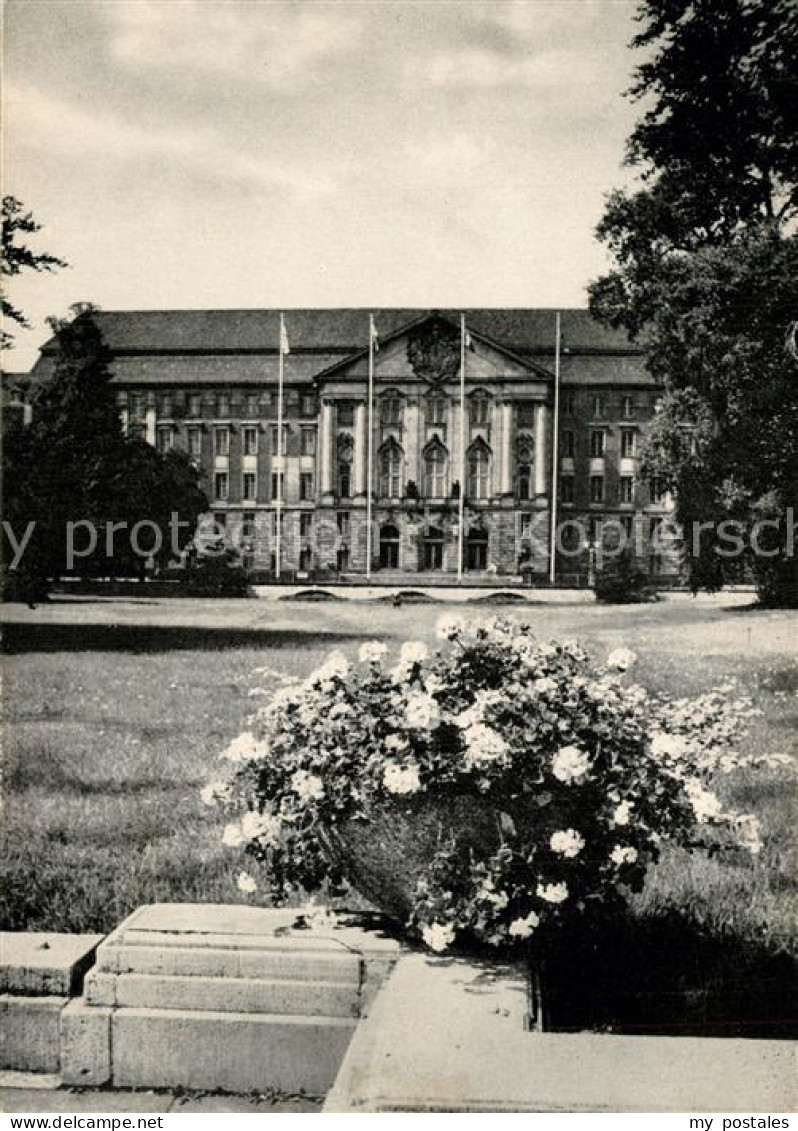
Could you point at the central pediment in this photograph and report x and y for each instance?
(427, 352)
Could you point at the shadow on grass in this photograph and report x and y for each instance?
(20, 637)
(665, 976)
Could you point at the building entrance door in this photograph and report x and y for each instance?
(389, 547)
(476, 550)
(432, 557)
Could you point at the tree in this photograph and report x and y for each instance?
(74, 474)
(706, 272)
(18, 257)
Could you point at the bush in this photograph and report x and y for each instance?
(623, 582)
(494, 790)
(217, 575)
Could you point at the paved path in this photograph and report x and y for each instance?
(103, 1100)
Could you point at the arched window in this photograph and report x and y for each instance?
(436, 409)
(478, 471)
(480, 408)
(435, 464)
(525, 475)
(391, 465)
(345, 457)
(391, 408)
(389, 547)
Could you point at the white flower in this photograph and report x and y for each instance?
(523, 928)
(705, 803)
(668, 745)
(544, 685)
(552, 893)
(215, 791)
(623, 854)
(438, 936)
(232, 836)
(449, 627)
(246, 748)
(421, 711)
(622, 813)
(621, 658)
(483, 745)
(413, 652)
(401, 779)
(567, 842)
(395, 742)
(317, 916)
(261, 826)
(339, 711)
(246, 883)
(336, 665)
(372, 652)
(307, 786)
(570, 763)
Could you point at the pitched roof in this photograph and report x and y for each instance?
(338, 332)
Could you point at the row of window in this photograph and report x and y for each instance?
(165, 438)
(597, 489)
(220, 404)
(598, 443)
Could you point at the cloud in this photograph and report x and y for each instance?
(278, 44)
(62, 127)
(554, 70)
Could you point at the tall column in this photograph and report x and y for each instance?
(325, 448)
(506, 476)
(542, 448)
(149, 421)
(361, 455)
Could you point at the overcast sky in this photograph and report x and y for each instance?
(205, 153)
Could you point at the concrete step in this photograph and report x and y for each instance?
(229, 1051)
(30, 1032)
(238, 995)
(336, 965)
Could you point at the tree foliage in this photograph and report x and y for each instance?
(18, 257)
(706, 265)
(73, 465)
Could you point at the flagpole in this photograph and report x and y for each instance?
(461, 496)
(278, 500)
(555, 453)
(369, 442)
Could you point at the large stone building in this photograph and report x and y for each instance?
(208, 381)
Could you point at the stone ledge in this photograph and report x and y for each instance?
(446, 1035)
(31, 1033)
(46, 963)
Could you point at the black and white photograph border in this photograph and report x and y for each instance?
(400, 592)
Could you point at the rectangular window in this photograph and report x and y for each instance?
(346, 414)
(566, 488)
(628, 526)
(597, 488)
(250, 441)
(597, 441)
(567, 444)
(165, 405)
(273, 523)
(598, 406)
(306, 486)
(436, 408)
(657, 489)
(248, 527)
(221, 441)
(278, 485)
(628, 407)
(273, 438)
(345, 480)
(220, 519)
(480, 409)
(305, 524)
(252, 404)
(308, 441)
(220, 485)
(307, 404)
(136, 406)
(568, 401)
(628, 442)
(344, 525)
(223, 404)
(627, 489)
(391, 410)
(195, 405)
(194, 438)
(249, 488)
(526, 525)
(164, 440)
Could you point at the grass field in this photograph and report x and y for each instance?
(116, 711)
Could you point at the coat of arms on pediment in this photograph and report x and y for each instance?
(433, 351)
(525, 447)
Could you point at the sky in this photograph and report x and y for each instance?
(248, 153)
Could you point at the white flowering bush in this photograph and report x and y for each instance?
(495, 788)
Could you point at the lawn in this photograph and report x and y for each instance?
(115, 713)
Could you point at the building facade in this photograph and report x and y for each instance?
(207, 381)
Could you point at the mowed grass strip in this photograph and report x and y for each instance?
(115, 714)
